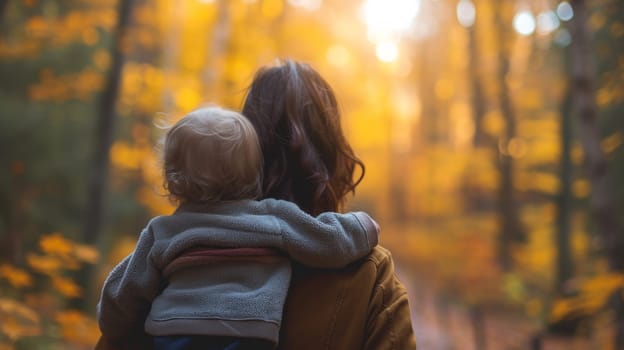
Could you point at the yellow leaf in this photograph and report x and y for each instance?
(593, 295)
(18, 278)
(66, 287)
(78, 327)
(55, 244)
(560, 309)
(18, 320)
(612, 142)
(10, 306)
(45, 264)
(37, 26)
(538, 181)
(86, 253)
(11, 329)
(603, 284)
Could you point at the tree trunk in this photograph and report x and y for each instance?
(3, 5)
(565, 267)
(480, 138)
(477, 199)
(601, 197)
(104, 133)
(508, 215)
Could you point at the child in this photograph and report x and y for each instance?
(215, 274)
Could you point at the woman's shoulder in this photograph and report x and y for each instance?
(343, 307)
(380, 255)
(381, 258)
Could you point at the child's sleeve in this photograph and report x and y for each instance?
(330, 240)
(128, 292)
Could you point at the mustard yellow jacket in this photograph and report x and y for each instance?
(363, 306)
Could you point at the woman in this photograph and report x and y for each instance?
(307, 160)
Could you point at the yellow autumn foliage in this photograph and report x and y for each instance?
(18, 320)
(27, 310)
(82, 86)
(55, 244)
(77, 327)
(593, 296)
(44, 264)
(612, 142)
(125, 156)
(581, 188)
(16, 277)
(86, 253)
(538, 181)
(9, 306)
(66, 287)
(412, 121)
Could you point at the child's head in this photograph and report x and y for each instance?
(212, 154)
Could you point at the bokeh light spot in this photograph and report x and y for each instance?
(310, 5)
(466, 13)
(524, 23)
(565, 11)
(387, 51)
(547, 22)
(389, 17)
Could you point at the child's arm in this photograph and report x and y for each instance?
(128, 292)
(330, 240)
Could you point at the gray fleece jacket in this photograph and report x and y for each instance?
(241, 295)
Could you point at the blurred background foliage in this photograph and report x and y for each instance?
(492, 132)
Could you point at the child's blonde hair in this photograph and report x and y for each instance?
(212, 154)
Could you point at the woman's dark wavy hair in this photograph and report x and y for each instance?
(307, 159)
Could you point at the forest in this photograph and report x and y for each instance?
(492, 132)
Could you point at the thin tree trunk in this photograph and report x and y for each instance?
(508, 215)
(3, 5)
(565, 267)
(480, 138)
(10, 239)
(104, 133)
(476, 198)
(601, 197)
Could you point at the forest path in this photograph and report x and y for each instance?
(440, 325)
